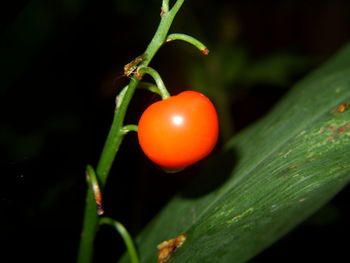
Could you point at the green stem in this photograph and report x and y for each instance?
(125, 236)
(155, 75)
(115, 136)
(193, 41)
(130, 127)
(165, 6)
(90, 224)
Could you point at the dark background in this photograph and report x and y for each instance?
(58, 63)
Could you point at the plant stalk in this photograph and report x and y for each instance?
(115, 136)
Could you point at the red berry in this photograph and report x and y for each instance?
(179, 131)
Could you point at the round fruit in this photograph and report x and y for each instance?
(179, 131)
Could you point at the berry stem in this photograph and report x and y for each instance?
(155, 75)
(129, 128)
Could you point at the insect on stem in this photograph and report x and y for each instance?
(131, 66)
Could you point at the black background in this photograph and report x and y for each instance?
(58, 63)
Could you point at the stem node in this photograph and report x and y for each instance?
(162, 11)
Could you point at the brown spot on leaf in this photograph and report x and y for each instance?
(343, 129)
(292, 167)
(331, 128)
(167, 247)
(341, 108)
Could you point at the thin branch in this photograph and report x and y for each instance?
(128, 128)
(193, 41)
(125, 236)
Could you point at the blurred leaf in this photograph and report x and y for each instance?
(233, 61)
(276, 69)
(283, 169)
(30, 31)
(18, 145)
(221, 69)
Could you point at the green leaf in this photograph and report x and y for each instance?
(271, 176)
